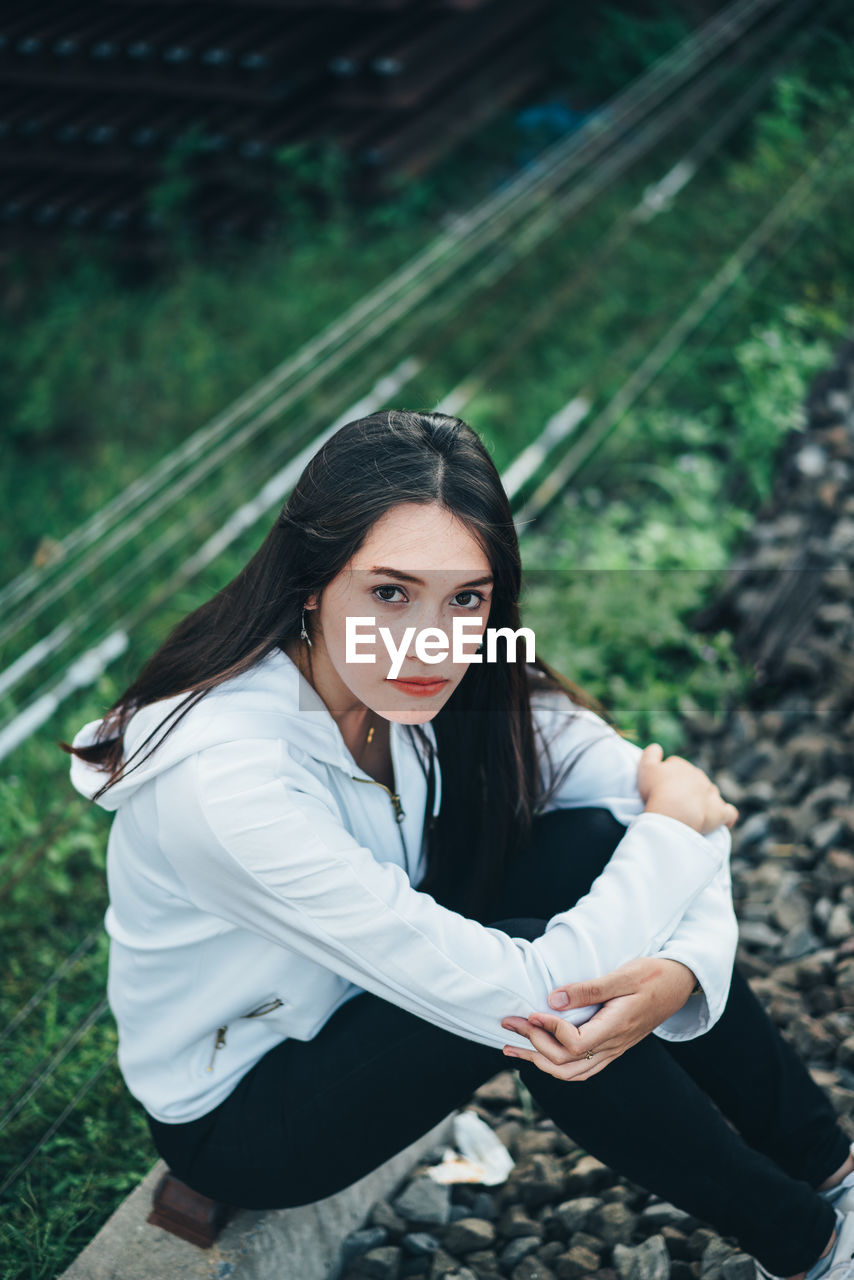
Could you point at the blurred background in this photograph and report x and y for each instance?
(615, 238)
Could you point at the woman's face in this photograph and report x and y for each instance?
(422, 541)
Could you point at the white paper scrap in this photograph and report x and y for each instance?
(481, 1156)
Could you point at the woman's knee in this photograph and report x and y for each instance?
(568, 849)
(589, 831)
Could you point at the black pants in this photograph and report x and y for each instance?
(311, 1117)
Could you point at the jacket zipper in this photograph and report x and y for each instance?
(274, 1003)
(219, 1043)
(399, 815)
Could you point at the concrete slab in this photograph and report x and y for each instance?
(272, 1244)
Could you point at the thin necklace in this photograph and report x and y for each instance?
(367, 743)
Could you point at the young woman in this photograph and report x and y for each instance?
(338, 887)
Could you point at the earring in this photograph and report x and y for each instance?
(303, 635)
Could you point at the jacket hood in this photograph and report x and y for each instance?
(271, 700)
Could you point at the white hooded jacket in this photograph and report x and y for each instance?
(256, 883)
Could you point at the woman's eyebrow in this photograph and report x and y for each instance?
(409, 577)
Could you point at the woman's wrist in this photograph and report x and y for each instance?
(669, 811)
(689, 977)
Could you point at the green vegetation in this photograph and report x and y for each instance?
(102, 373)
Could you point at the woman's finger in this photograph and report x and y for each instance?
(571, 1037)
(566, 1033)
(542, 1040)
(614, 1021)
(570, 1072)
(618, 982)
(560, 1071)
(586, 1068)
(576, 995)
(592, 1068)
(558, 1041)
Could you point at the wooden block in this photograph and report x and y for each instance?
(193, 1217)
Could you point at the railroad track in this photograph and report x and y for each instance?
(32, 595)
(35, 599)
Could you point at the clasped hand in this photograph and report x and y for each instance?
(642, 993)
(635, 998)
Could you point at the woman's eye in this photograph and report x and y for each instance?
(387, 587)
(475, 596)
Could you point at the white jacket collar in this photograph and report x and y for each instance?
(272, 699)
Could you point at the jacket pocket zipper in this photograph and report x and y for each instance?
(219, 1043)
(268, 1007)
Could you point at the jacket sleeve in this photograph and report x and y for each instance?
(604, 772)
(257, 840)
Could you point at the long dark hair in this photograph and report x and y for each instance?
(491, 785)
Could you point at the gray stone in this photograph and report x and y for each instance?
(838, 866)
(757, 933)
(647, 1261)
(420, 1243)
(548, 1252)
(587, 1174)
(531, 1141)
(424, 1201)
(753, 830)
(500, 1091)
(483, 1206)
(484, 1263)
(379, 1264)
(613, 1224)
(826, 833)
(361, 1241)
(538, 1180)
(576, 1263)
(661, 1213)
(715, 1255)
(574, 1214)
(738, 1267)
(676, 1241)
(411, 1266)
(516, 1221)
(382, 1215)
(518, 1249)
(467, 1234)
(532, 1268)
(815, 969)
(845, 1053)
(699, 1241)
(799, 942)
(791, 907)
(442, 1264)
(839, 926)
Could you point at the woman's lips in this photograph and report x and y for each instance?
(420, 688)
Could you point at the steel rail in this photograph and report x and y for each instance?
(798, 194)
(475, 229)
(498, 266)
